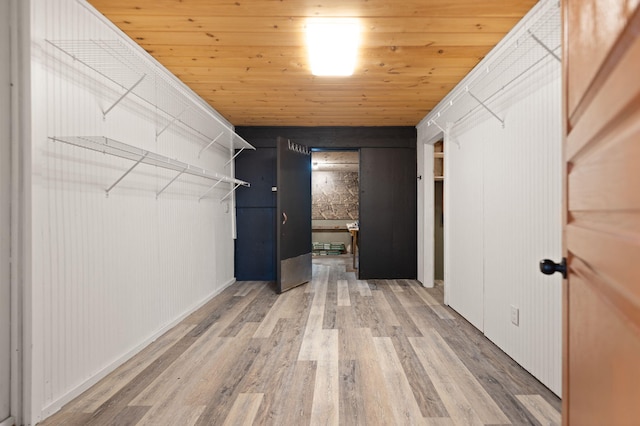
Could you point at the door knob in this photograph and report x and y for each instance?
(548, 267)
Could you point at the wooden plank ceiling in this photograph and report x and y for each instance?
(247, 58)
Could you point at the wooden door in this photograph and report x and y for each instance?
(601, 299)
(293, 242)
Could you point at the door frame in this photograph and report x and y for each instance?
(426, 215)
(19, 193)
(321, 149)
(6, 202)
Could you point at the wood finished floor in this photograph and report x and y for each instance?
(334, 351)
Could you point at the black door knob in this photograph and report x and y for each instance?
(548, 267)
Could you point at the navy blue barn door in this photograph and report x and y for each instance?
(293, 218)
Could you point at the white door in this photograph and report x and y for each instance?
(5, 224)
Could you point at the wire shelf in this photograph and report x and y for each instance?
(120, 64)
(140, 156)
(534, 48)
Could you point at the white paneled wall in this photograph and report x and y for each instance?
(503, 194)
(464, 226)
(5, 213)
(505, 217)
(109, 273)
(425, 227)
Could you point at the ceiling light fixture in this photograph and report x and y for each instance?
(333, 45)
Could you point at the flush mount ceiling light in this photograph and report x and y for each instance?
(333, 45)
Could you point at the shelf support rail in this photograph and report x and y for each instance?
(544, 46)
(126, 173)
(485, 107)
(230, 192)
(172, 180)
(124, 95)
(176, 118)
(210, 143)
(234, 157)
(439, 126)
(210, 189)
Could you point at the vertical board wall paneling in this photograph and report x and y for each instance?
(504, 214)
(109, 273)
(425, 198)
(5, 213)
(522, 224)
(464, 219)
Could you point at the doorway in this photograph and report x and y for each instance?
(438, 213)
(335, 199)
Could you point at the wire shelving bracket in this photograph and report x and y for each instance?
(210, 143)
(210, 189)
(438, 126)
(544, 46)
(113, 185)
(171, 181)
(124, 95)
(234, 157)
(484, 105)
(230, 192)
(173, 120)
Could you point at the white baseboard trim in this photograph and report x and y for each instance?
(8, 422)
(56, 405)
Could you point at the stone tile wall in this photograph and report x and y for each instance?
(334, 195)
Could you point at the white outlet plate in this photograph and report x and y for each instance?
(515, 315)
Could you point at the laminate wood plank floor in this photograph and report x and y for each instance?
(335, 351)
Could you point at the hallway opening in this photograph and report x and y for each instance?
(438, 213)
(335, 197)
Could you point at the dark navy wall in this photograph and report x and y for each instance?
(389, 237)
(255, 249)
(388, 212)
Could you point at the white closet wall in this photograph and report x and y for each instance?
(503, 199)
(425, 235)
(464, 225)
(5, 213)
(522, 225)
(110, 273)
(504, 216)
